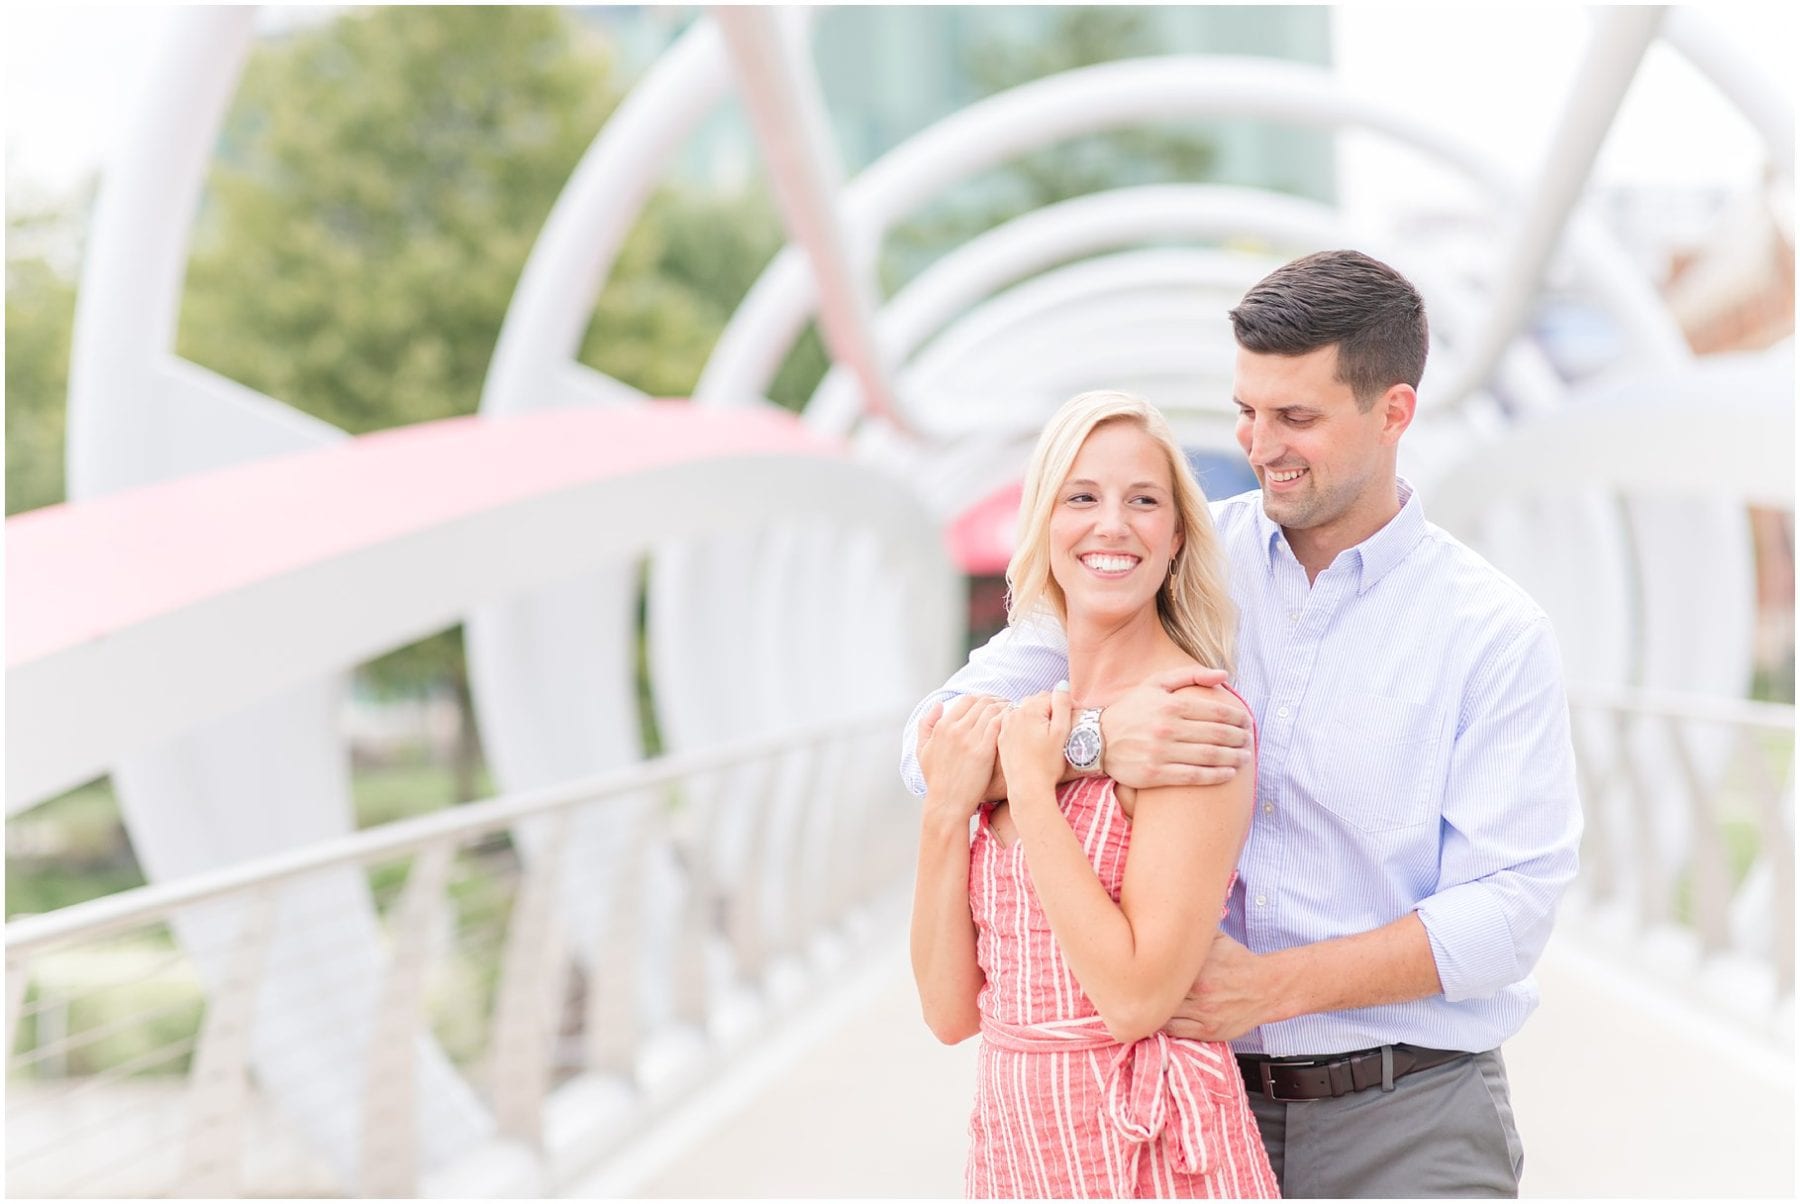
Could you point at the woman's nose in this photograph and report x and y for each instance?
(1111, 520)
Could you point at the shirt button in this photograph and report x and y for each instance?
(1282, 712)
(1260, 900)
(1293, 616)
(1268, 808)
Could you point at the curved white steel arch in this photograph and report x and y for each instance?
(1513, 494)
(396, 574)
(1725, 543)
(138, 414)
(1077, 287)
(1093, 98)
(1056, 234)
(1751, 393)
(1741, 80)
(1102, 220)
(1200, 270)
(552, 673)
(780, 92)
(554, 301)
(1525, 373)
(1616, 47)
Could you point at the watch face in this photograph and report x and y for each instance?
(1084, 748)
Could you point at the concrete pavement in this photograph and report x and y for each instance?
(1618, 1092)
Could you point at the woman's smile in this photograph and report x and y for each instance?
(1110, 566)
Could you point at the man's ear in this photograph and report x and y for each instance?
(1397, 407)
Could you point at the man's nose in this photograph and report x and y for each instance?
(1265, 447)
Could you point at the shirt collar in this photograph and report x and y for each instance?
(1375, 555)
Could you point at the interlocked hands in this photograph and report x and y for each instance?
(957, 747)
(1031, 744)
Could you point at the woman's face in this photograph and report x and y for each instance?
(1113, 529)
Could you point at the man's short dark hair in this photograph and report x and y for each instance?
(1373, 313)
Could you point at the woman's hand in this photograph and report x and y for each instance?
(958, 756)
(1031, 746)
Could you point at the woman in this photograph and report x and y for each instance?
(1072, 923)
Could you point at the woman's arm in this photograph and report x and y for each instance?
(957, 762)
(1136, 958)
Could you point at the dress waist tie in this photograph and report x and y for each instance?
(1158, 1086)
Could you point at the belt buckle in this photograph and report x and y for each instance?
(1265, 1071)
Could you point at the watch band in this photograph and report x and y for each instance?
(1083, 748)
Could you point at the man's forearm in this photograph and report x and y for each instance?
(1239, 990)
(1390, 964)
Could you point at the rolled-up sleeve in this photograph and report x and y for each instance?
(1511, 820)
(1020, 661)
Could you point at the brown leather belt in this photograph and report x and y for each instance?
(1292, 1079)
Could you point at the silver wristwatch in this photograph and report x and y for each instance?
(1083, 746)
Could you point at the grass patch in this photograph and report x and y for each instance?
(399, 790)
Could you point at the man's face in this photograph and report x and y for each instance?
(1321, 461)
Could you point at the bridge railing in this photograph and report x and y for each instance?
(1688, 854)
(587, 956)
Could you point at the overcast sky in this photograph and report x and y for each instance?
(1498, 73)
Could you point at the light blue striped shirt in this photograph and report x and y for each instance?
(1414, 755)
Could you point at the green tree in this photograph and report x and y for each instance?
(382, 179)
(40, 312)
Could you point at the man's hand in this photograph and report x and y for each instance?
(1155, 736)
(1236, 991)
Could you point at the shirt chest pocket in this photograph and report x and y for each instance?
(1380, 763)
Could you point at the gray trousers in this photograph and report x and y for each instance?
(1443, 1132)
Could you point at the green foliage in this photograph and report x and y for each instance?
(1083, 37)
(386, 793)
(382, 180)
(1080, 37)
(802, 370)
(40, 312)
(680, 275)
(68, 850)
(148, 1023)
(35, 887)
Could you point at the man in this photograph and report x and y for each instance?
(1416, 815)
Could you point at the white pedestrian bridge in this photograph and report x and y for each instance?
(683, 975)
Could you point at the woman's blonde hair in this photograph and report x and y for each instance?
(1194, 602)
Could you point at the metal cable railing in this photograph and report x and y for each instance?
(129, 1065)
(1688, 853)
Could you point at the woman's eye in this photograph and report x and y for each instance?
(1081, 497)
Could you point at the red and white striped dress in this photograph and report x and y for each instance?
(1061, 1109)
